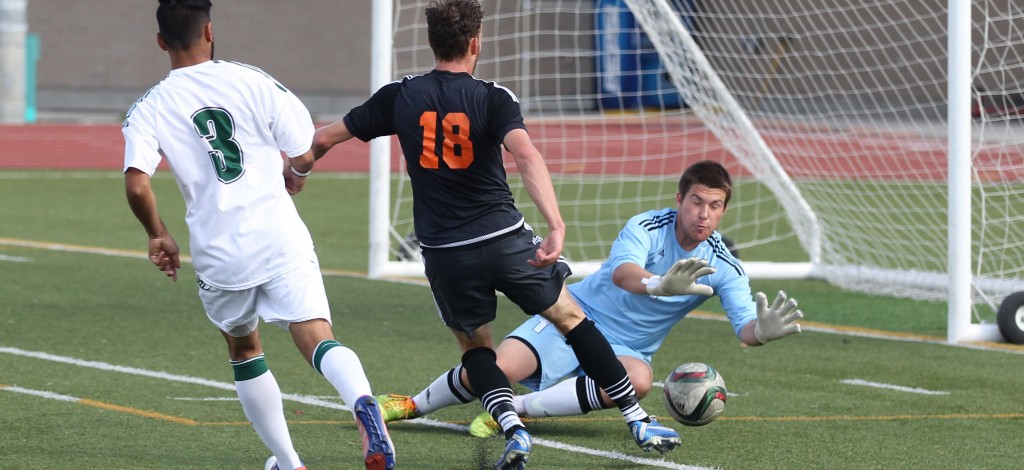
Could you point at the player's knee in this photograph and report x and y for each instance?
(564, 315)
(640, 375)
(642, 388)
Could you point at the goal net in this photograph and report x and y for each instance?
(832, 117)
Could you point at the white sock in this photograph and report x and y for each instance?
(261, 401)
(342, 368)
(559, 400)
(439, 394)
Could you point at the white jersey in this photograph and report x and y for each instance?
(222, 127)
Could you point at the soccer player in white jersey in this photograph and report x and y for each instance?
(633, 305)
(222, 127)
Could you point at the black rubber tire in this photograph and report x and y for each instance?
(1011, 318)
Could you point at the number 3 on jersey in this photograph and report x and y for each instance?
(218, 128)
(456, 150)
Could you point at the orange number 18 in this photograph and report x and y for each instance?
(457, 149)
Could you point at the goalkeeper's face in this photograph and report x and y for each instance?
(700, 211)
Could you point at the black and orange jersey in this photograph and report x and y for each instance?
(451, 127)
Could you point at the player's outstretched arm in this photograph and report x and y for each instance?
(776, 321)
(328, 136)
(681, 279)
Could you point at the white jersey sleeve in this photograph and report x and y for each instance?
(142, 151)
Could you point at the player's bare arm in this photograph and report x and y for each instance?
(630, 276)
(328, 136)
(163, 250)
(538, 184)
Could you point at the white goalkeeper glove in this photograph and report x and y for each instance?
(681, 279)
(779, 320)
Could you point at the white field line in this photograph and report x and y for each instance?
(898, 388)
(305, 399)
(40, 393)
(15, 259)
(321, 397)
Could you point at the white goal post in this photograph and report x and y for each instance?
(877, 145)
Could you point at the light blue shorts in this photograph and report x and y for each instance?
(556, 359)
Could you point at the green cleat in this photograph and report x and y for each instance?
(484, 426)
(396, 407)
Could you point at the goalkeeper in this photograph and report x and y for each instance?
(664, 264)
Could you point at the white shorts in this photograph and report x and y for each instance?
(294, 296)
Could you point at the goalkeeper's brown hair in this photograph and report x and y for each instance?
(450, 26)
(708, 173)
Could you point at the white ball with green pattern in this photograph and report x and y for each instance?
(695, 394)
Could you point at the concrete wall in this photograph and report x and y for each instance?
(98, 56)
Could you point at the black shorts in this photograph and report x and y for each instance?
(464, 280)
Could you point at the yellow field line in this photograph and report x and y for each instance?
(857, 330)
(101, 405)
(80, 249)
(138, 412)
(126, 253)
(695, 314)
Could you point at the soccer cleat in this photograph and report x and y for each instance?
(484, 426)
(653, 436)
(271, 464)
(517, 450)
(378, 449)
(397, 407)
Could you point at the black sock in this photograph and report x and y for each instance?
(456, 386)
(588, 394)
(598, 361)
(490, 384)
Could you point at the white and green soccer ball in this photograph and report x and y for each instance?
(695, 394)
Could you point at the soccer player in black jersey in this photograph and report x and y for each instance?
(474, 240)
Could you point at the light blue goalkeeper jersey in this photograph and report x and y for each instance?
(643, 321)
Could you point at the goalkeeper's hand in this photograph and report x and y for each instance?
(681, 279)
(779, 320)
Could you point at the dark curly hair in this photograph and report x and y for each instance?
(181, 21)
(450, 26)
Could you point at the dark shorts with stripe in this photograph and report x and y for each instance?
(464, 279)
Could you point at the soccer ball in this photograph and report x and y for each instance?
(695, 394)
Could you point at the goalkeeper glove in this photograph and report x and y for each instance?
(779, 320)
(681, 279)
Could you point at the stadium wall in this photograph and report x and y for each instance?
(98, 56)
